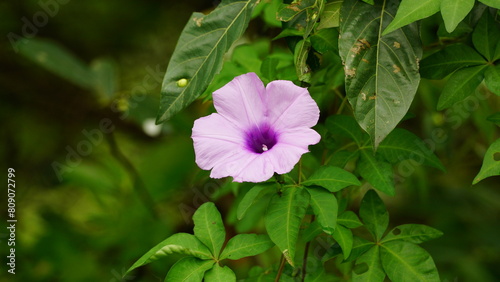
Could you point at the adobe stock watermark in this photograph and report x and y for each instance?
(94, 137)
(31, 26)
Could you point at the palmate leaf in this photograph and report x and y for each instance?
(491, 163)
(245, 245)
(374, 214)
(454, 11)
(180, 243)
(198, 56)
(369, 267)
(413, 233)
(324, 205)
(381, 71)
(344, 238)
(189, 269)
(349, 219)
(332, 178)
(378, 173)
(220, 274)
(283, 218)
(208, 227)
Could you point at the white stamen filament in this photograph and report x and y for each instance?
(264, 147)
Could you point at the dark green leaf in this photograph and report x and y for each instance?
(283, 218)
(246, 245)
(331, 15)
(491, 163)
(401, 144)
(492, 79)
(448, 60)
(413, 233)
(252, 196)
(491, 3)
(325, 40)
(324, 205)
(381, 71)
(343, 236)
(199, 54)
(404, 261)
(460, 85)
(180, 243)
(349, 219)
(369, 267)
(220, 274)
(454, 11)
(495, 118)
(374, 214)
(105, 78)
(359, 247)
(288, 12)
(486, 36)
(346, 126)
(189, 269)
(410, 11)
(208, 227)
(313, 230)
(332, 178)
(378, 173)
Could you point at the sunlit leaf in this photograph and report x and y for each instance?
(410, 11)
(208, 227)
(220, 274)
(413, 233)
(369, 267)
(199, 54)
(374, 214)
(454, 11)
(189, 269)
(324, 205)
(378, 173)
(245, 245)
(381, 71)
(491, 163)
(332, 178)
(460, 85)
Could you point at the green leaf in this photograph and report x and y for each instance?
(246, 245)
(413, 233)
(199, 54)
(180, 243)
(381, 71)
(454, 11)
(359, 247)
(189, 269)
(300, 59)
(251, 197)
(220, 274)
(324, 205)
(105, 78)
(491, 163)
(331, 15)
(349, 219)
(288, 12)
(325, 40)
(486, 36)
(492, 79)
(460, 85)
(313, 230)
(495, 118)
(283, 218)
(331, 178)
(343, 236)
(369, 267)
(410, 11)
(403, 261)
(378, 173)
(448, 60)
(401, 144)
(57, 59)
(371, 2)
(208, 227)
(491, 3)
(346, 126)
(374, 214)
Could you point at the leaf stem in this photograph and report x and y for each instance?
(280, 270)
(306, 252)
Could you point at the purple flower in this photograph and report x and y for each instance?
(257, 130)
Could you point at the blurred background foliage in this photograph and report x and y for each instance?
(140, 184)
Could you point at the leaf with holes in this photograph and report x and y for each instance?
(246, 245)
(369, 267)
(189, 269)
(199, 53)
(374, 214)
(491, 162)
(381, 71)
(208, 227)
(332, 178)
(413, 233)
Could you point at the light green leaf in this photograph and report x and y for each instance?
(460, 85)
(401, 144)
(208, 227)
(199, 53)
(331, 15)
(57, 59)
(381, 71)
(359, 247)
(448, 60)
(410, 11)
(324, 205)
(378, 173)
(491, 3)
(332, 178)
(369, 267)
(300, 58)
(343, 236)
(346, 126)
(283, 218)
(486, 36)
(404, 261)
(349, 219)
(189, 269)
(374, 214)
(180, 243)
(454, 11)
(251, 197)
(491, 163)
(413, 233)
(492, 79)
(220, 274)
(246, 245)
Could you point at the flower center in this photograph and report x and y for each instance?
(260, 140)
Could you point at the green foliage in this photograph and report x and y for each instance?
(491, 163)
(374, 214)
(331, 178)
(324, 205)
(454, 11)
(410, 11)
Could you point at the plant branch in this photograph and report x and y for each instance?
(280, 270)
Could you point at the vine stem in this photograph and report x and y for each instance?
(280, 270)
(306, 252)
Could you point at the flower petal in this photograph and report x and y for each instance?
(290, 106)
(244, 167)
(241, 101)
